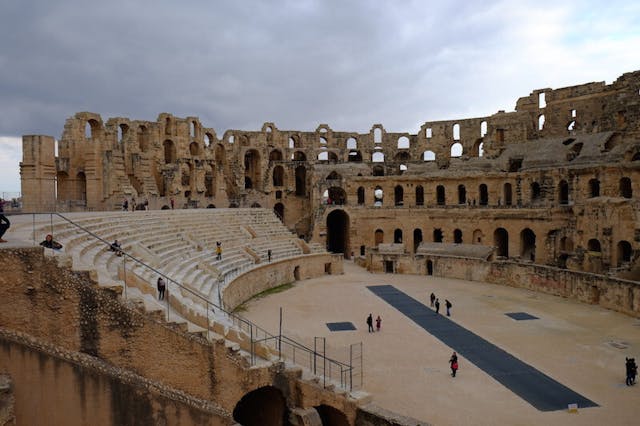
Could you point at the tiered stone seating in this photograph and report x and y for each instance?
(180, 244)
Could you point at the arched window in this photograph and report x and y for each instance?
(563, 192)
(440, 195)
(278, 176)
(428, 156)
(456, 132)
(419, 195)
(377, 135)
(403, 142)
(397, 236)
(594, 188)
(457, 236)
(360, 195)
(437, 235)
(540, 121)
(275, 155)
(456, 150)
(299, 156)
(194, 149)
(625, 188)
(379, 237)
(301, 181)
(535, 191)
(501, 242)
(483, 129)
(398, 193)
(417, 239)
(378, 171)
(377, 157)
(462, 195)
(623, 252)
(378, 196)
(352, 143)
(483, 195)
(507, 194)
(528, 245)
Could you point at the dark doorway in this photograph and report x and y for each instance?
(429, 267)
(279, 211)
(437, 235)
(262, 407)
(388, 266)
(338, 232)
(417, 239)
(331, 416)
(501, 242)
(528, 245)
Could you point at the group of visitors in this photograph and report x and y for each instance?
(435, 303)
(370, 323)
(134, 204)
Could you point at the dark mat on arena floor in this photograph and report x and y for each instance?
(535, 387)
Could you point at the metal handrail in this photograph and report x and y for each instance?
(254, 330)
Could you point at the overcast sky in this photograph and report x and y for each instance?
(298, 63)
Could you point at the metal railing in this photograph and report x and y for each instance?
(288, 349)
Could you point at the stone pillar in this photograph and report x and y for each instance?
(38, 173)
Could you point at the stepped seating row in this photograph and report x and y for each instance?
(180, 244)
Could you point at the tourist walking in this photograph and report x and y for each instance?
(378, 323)
(448, 305)
(4, 222)
(370, 323)
(218, 250)
(632, 371)
(433, 298)
(453, 362)
(437, 303)
(161, 288)
(125, 204)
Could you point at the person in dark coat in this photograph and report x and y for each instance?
(448, 305)
(370, 323)
(4, 222)
(453, 362)
(437, 305)
(632, 371)
(161, 288)
(433, 299)
(49, 242)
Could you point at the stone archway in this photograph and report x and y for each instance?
(331, 416)
(338, 232)
(265, 406)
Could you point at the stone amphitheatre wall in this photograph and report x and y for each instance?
(609, 292)
(66, 342)
(554, 182)
(265, 277)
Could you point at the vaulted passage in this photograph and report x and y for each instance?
(338, 232)
(262, 407)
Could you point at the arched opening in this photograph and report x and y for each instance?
(334, 176)
(169, 151)
(301, 181)
(437, 235)
(256, 206)
(456, 132)
(429, 267)
(278, 209)
(477, 237)
(265, 406)
(275, 155)
(377, 157)
(625, 188)
(379, 237)
(360, 195)
(594, 245)
(143, 138)
(299, 156)
(428, 156)
(398, 194)
(355, 157)
(252, 168)
(623, 253)
(594, 188)
(535, 192)
(563, 192)
(483, 195)
(331, 416)
(337, 196)
(456, 150)
(81, 187)
(92, 129)
(397, 236)
(457, 236)
(501, 242)
(278, 176)
(211, 206)
(403, 142)
(209, 180)
(419, 195)
(462, 195)
(507, 194)
(440, 195)
(528, 245)
(123, 131)
(378, 171)
(338, 232)
(352, 143)
(540, 121)
(417, 239)
(378, 196)
(194, 149)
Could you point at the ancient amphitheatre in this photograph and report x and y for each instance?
(532, 211)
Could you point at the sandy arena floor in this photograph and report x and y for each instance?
(406, 369)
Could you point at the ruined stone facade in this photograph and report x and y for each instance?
(555, 182)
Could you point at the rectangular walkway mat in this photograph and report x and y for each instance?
(341, 326)
(535, 387)
(521, 316)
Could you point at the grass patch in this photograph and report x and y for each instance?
(274, 290)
